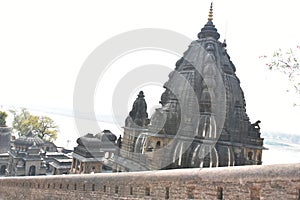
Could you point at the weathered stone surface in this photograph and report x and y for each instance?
(202, 121)
(245, 182)
(91, 151)
(26, 157)
(5, 136)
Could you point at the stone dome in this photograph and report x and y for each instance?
(88, 140)
(29, 140)
(106, 135)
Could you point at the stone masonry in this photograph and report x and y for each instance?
(242, 182)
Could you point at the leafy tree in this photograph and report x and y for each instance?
(47, 129)
(287, 62)
(43, 126)
(3, 116)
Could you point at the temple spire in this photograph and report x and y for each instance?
(211, 13)
(209, 29)
(139, 113)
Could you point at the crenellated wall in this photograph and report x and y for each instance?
(247, 182)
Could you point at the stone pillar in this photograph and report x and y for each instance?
(76, 166)
(80, 167)
(5, 136)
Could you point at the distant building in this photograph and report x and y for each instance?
(93, 152)
(202, 121)
(29, 155)
(4, 159)
(58, 160)
(59, 163)
(26, 157)
(5, 139)
(49, 146)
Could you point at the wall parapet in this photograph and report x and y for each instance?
(244, 182)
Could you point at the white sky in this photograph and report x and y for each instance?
(43, 45)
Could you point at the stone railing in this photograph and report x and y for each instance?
(247, 182)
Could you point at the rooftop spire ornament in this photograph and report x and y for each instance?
(209, 29)
(210, 14)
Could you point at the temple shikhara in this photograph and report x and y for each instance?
(202, 121)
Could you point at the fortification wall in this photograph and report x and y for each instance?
(249, 182)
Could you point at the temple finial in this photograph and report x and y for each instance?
(209, 29)
(210, 14)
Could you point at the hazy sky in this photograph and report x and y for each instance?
(43, 45)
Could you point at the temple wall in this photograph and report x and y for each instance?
(247, 182)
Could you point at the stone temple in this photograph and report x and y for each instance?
(202, 121)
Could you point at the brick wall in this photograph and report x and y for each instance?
(249, 182)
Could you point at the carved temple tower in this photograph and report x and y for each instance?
(202, 121)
